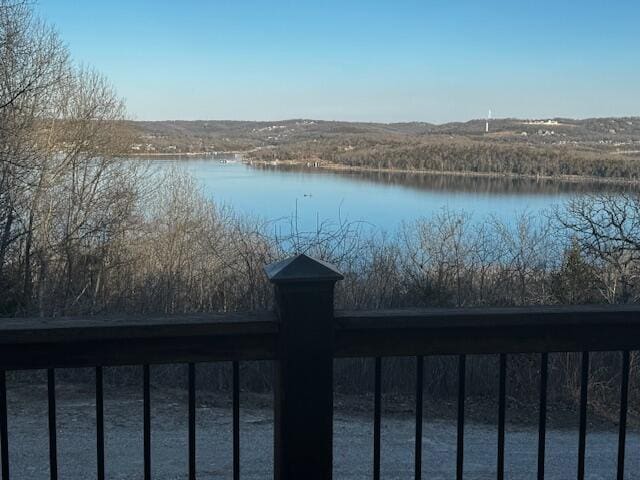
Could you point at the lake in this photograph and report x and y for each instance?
(381, 201)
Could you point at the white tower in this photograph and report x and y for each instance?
(487, 125)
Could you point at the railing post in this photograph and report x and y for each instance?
(303, 388)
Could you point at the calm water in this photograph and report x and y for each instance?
(381, 201)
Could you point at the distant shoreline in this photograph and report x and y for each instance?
(336, 167)
(182, 154)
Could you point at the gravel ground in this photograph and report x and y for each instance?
(28, 440)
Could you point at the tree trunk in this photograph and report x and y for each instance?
(4, 242)
(28, 287)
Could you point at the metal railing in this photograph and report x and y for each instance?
(303, 337)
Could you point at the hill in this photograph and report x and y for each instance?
(597, 147)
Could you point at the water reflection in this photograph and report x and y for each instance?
(467, 183)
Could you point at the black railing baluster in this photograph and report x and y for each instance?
(624, 398)
(192, 421)
(53, 448)
(99, 424)
(542, 419)
(462, 374)
(236, 419)
(419, 408)
(584, 389)
(4, 428)
(377, 400)
(146, 407)
(502, 393)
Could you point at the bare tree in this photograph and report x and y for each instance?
(33, 61)
(65, 189)
(607, 229)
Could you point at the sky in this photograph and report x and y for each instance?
(391, 61)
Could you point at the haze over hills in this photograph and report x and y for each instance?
(599, 148)
(218, 135)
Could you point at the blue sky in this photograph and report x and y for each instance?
(389, 61)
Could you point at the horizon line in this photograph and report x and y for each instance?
(373, 122)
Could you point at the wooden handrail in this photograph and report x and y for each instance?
(133, 340)
(487, 330)
(28, 343)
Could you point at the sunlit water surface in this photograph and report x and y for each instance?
(279, 195)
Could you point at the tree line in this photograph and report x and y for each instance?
(460, 155)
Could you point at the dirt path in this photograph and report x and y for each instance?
(353, 436)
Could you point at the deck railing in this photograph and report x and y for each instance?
(303, 337)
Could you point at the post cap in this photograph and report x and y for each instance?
(302, 268)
